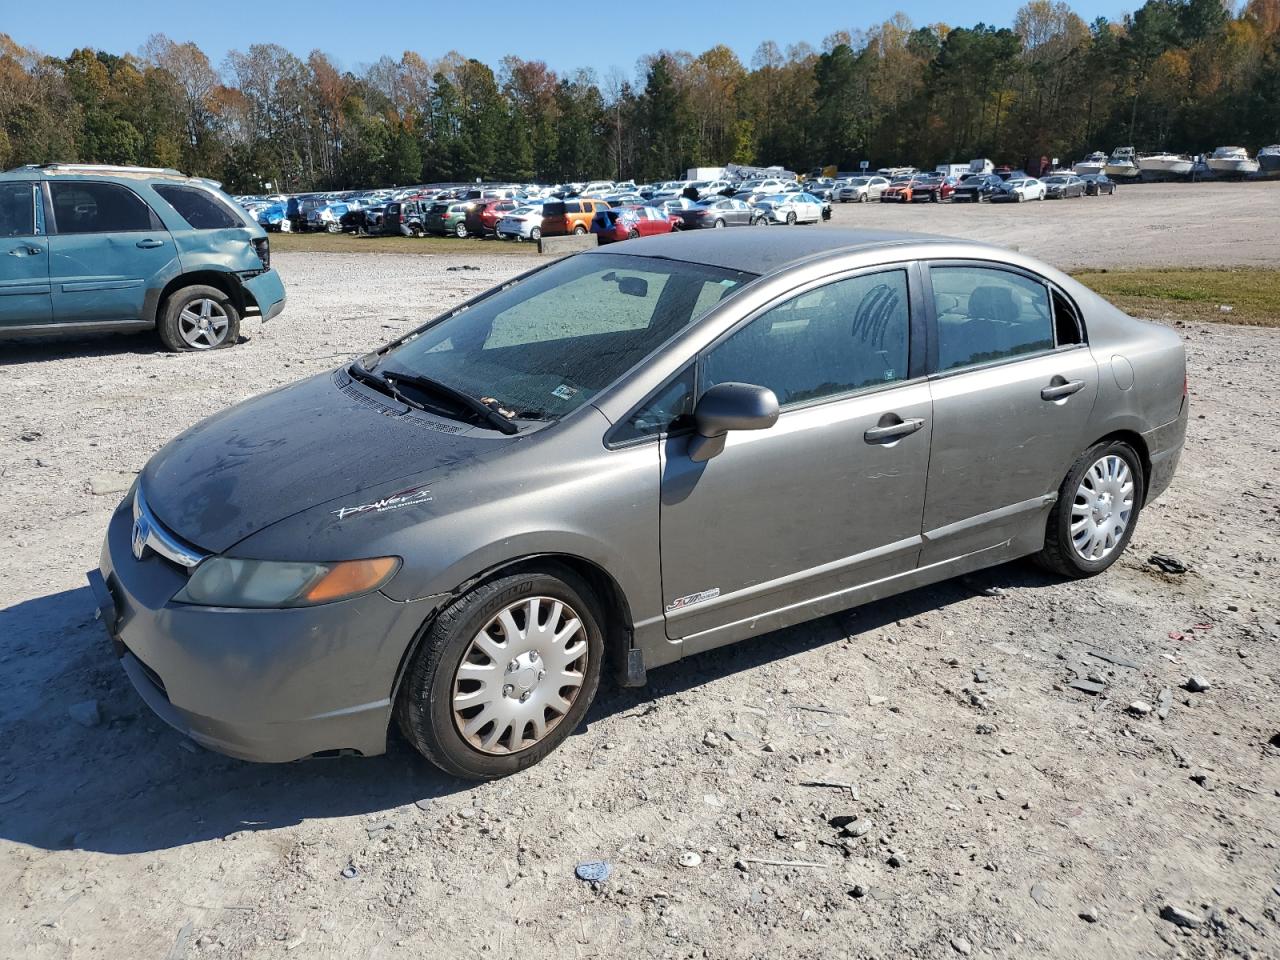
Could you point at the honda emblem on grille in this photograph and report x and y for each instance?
(141, 533)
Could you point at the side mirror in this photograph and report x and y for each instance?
(729, 406)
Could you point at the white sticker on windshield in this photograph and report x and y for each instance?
(564, 391)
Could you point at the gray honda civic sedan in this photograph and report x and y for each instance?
(614, 461)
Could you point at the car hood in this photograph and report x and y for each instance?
(291, 450)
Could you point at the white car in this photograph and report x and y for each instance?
(598, 187)
(1025, 189)
(861, 189)
(522, 223)
(790, 208)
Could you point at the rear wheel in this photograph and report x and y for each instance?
(719, 224)
(535, 233)
(862, 197)
(633, 233)
(1097, 508)
(579, 230)
(198, 318)
(504, 675)
(460, 231)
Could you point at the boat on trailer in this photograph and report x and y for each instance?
(1232, 161)
(1165, 166)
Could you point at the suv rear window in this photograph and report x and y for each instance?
(201, 209)
(90, 207)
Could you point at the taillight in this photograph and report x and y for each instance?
(262, 247)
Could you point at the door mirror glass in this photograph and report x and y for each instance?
(730, 406)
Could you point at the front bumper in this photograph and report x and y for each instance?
(263, 685)
(267, 291)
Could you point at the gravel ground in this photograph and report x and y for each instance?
(913, 778)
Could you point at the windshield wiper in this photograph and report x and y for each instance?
(389, 378)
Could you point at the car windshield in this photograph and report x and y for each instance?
(547, 345)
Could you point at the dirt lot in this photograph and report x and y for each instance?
(1009, 814)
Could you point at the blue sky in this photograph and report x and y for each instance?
(566, 35)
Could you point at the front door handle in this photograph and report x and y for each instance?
(1061, 390)
(150, 244)
(26, 251)
(893, 431)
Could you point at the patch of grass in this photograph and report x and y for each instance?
(1192, 294)
(350, 243)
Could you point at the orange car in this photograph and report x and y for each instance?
(560, 217)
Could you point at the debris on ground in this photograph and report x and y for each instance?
(1167, 564)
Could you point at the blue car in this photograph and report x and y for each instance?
(87, 248)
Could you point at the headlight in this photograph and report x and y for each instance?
(230, 582)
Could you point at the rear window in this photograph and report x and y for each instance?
(200, 208)
(91, 207)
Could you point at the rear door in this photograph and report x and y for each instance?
(106, 246)
(1013, 387)
(24, 256)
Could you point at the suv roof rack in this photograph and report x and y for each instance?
(108, 168)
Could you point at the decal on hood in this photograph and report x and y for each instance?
(405, 498)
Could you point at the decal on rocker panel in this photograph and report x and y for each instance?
(405, 498)
(681, 602)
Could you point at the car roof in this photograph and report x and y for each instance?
(742, 249)
(94, 171)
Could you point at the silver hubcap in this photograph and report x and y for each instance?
(520, 676)
(203, 323)
(1102, 508)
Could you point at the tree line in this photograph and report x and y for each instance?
(1181, 75)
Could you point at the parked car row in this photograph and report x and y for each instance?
(1012, 186)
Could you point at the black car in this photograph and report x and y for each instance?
(723, 212)
(363, 220)
(977, 187)
(1096, 184)
(1063, 185)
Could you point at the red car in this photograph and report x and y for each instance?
(624, 223)
(482, 219)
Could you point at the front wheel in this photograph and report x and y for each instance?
(198, 318)
(862, 198)
(1094, 516)
(791, 219)
(504, 675)
(535, 233)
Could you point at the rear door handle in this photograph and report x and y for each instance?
(150, 244)
(893, 431)
(1058, 391)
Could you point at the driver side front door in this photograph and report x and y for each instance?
(786, 524)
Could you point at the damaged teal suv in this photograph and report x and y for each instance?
(87, 248)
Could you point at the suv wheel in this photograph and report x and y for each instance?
(460, 231)
(579, 230)
(199, 318)
(504, 675)
(1097, 508)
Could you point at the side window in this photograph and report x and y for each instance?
(984, 315)
(1066, 321)
(88, 207)
(200, 208)
(668, 409)
(573, 207)
(17, 210)
(847, 335)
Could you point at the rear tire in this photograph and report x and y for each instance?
(1060, 553)
(535, 234)
(719, 225)
(425, 707)
(198, 318)
(579, 230)
(460, 231)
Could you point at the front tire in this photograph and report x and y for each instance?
(1096, 511)
(791, 219)
(535, 234)
(198, 318)
(504, 674)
